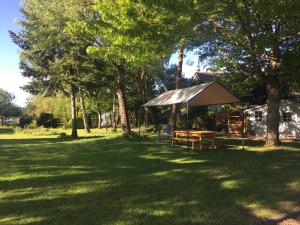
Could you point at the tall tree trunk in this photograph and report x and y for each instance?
(122, 99)
(114, 124)
(73, 112)
(99, 116)
(273, 117)
(84, 114)
(178, 78)
(99, 120)
(105, 123)
(143, 89)
(273, 100)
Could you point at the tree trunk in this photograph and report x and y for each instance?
(114, 124)
(273, 117)
(84, 115)
(178, 78)
(73, 112)
(143, 90)
(99, 120)
(122, 100)
(99, 116)
(105, 123)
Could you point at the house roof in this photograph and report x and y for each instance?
(201, 75)
(282, 103)
(212, 93)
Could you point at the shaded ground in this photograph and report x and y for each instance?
(113, 180)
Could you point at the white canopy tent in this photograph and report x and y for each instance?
(212, 93)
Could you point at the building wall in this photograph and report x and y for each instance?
(286, 129)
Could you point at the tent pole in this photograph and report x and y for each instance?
(243, 127)
(187, 125)
(139, 124)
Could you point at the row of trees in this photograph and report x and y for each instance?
(99, 49)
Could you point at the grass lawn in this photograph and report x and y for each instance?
(108, 179)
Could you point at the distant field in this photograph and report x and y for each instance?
(105, 178)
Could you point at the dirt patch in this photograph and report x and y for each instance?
(292, 218)
(289, 222)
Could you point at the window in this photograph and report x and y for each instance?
(258, 116)
(287, 116)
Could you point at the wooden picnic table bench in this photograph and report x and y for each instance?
(201, 138)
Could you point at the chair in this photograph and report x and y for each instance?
(165, 133)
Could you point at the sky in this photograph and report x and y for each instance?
(10, 77)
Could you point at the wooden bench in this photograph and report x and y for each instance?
(208, 139)
(202, 138)
(185, 139)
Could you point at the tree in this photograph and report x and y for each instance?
(57, 105)
(254, 39)
(7, 107)
(124, 38)
(54, 59)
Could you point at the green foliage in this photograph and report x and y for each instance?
(7, 107)
(47, 120)
(58, 106)
(252, 41)
(25, 121)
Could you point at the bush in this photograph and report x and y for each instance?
(32, 125)
(25, 121)
(47, 120)
(80, 124)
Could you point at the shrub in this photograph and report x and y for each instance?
(47, 120)
(32, 125)
(25, 121)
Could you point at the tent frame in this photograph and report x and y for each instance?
(187, 109)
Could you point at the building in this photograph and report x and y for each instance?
(289, 119)
(205, 77)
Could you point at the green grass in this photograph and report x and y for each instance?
(107, 179)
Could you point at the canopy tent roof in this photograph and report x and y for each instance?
(212, 93)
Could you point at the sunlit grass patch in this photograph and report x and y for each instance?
(106, 178)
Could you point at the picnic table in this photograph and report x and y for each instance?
(201, 138)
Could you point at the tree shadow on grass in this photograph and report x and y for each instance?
(118, 181)
(39, 140)
(7, 131)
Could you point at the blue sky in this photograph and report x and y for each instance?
(10, 77)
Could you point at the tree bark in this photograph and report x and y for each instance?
(273, 117)
(73, 112)
(99, 120)
(143, 89)
(99, 116)
(178, 79)
(273, 100)
(122, 99)
(114, 124)
(84, 114)
(105, 118)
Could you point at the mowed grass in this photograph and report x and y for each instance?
(105, 178)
